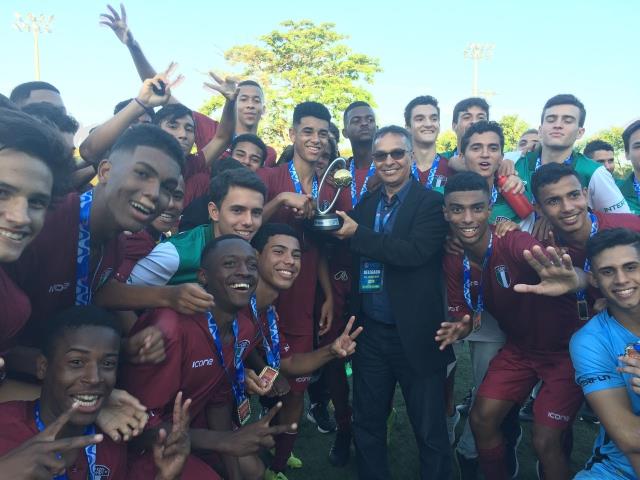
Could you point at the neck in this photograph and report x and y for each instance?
(392, 190)
(629, 318)
(223, 318)
(548, 155)
(362, 154)
(102, 224)
(424, 155)
(242, 128)
(48, 415)
(490, 180)
(476, 251)
(304, 169)
(265, 294)
(636, 172)
(215, 229)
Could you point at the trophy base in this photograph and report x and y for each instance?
(327, 223)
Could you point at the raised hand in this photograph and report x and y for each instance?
(170, 451)
(122, 417)
(118, 23)
(156, 91)
(557, 275)
(252, 438)
(40, 456)
(451, 332)
(345, 344)
(504, 227)
(227, 86)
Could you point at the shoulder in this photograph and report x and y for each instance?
(617, 220)
(593, 336)
(168, 321)
(202, 120)
(185, 238)
(585, 165)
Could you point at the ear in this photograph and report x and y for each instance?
(344, 133)
(104, 169)
(592, 280)
(202, 277)
(580, 133)
(446, 213)
(214, 213)
(585, 192)
(41, 366)
(292, 134)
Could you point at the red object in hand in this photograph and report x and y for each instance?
(518, 202)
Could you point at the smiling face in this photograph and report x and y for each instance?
(616, 272)
(25, 194)
(483, 154)
(392, 158)
(279, 262)
(425, 124)
(183, 129)
(170, 217)
(249, 105)
(468, 216)
(564, 203)
(230, 274)
(310, 138)
(248, 154)
(138, 185)
(560, 128)
(82, 369)
(240, 213)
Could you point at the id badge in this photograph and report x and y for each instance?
(583, 310)
(477, 321)
(371, 276)
(268, 374)
(244, 411)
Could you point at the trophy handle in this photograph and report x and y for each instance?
(342, 161)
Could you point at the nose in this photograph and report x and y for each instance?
(152, 191)
(288, 259)
(620, 276)
(17, 212)
(247, 218)
(467, 217)
(91, 374)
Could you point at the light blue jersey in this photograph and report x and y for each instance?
(595, 349)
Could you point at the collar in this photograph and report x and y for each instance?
(399, 196)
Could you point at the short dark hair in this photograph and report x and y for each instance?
(566, 99)
(53, 115)
(245, 178)
(72, 319)
(396, 130)
(482, 126)
(310, 109)
(120, 105)
(466, 182)
(548, 174)
(149, 135)
(23, 91)
(421, 100)
(595, 145)
(626, 135)
(335, 131)
(351, 106)
(467, 103)
(24, 133)
(333, 150)
(212, 244)
(609, 238)
(171, 113)
(6, 103)
(224, 164)
(250, 83)
(251, 138)
(269, 230)
(529, 132)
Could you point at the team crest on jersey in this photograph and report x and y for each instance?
(242, 346)
(100, 472)
(502, 276)
(440, 180)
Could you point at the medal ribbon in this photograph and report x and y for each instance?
(237, 383)
(432, 172)
(273, 354)
(581, 295)
(83, 288)
(381, 221)
(296, 181)
(466, 266)
(89, 450)
(355, 196)
(566, 162)
(636, 186)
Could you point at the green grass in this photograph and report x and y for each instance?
(313, 447)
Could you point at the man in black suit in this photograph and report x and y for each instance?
(396, 234)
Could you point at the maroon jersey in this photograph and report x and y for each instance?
(285, 350)
(14, 309)
(295, 306)
(135, 246)
(532, 322)
(17, 425)
(46, 271)
(191, 365)
(195, 187)
(440, 177)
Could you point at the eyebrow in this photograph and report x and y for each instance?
(85, 351)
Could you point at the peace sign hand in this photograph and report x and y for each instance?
(227, 86)
(345, 344)
(170, 451)
(156, 91)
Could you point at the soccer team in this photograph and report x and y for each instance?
(155, 280)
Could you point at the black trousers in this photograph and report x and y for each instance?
(379, 363)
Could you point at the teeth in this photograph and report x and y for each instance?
(17, 236)
(243, 233)
(240, 286)
(625, 293)
(141, 208)
(285, 273)
(468, 230)
(86, 400)
(167, 216)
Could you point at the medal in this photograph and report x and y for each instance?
(466, 268)
(268, 374)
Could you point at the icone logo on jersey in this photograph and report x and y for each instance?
(205, 362)
(100, 472)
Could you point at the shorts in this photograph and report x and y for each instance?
(299, 344)
(513, 372)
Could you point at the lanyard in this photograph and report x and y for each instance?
(432, 172)
(273, 354)
(381, 221)
(581, 294)
(466, 266)
(296, 181)
(566, 162)
(494, 195)
(355, 196)
(238, 383)
(89, 450)
(83, 288)
(636, 186)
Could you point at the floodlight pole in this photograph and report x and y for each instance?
(35, 25)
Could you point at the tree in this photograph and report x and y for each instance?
(302, 61)
(446, 141)
(513, 127)
(611, 135)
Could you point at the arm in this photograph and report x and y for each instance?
(226, 128)
(326, 312)
(300, 204)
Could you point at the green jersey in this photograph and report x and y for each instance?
(628, 190)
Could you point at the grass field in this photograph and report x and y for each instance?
(313, 447)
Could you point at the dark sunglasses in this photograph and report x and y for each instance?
(395, 154)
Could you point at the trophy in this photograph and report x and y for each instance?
(323, 220)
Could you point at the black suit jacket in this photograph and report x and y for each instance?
(412, 258)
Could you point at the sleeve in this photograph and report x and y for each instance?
(604, 194)
(518, 242)
(157, 268)
(595, 366)
(136, 247)
(423, 243)
(456, 305)
(272, 158)
(266, 175)
(205, 129)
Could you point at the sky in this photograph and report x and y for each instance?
(541, 48)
